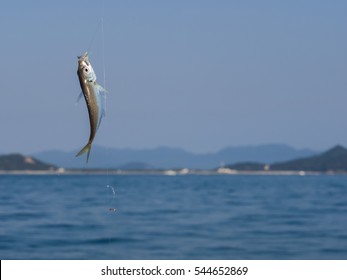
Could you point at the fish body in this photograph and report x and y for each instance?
(94, 96)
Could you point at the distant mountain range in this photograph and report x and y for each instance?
(166, 158)
(335, 159)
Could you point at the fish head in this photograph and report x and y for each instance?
(85, 69)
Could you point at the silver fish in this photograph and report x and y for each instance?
(94, 95)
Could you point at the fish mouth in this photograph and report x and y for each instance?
(83, 57)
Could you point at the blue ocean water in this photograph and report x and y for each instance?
(173, 217)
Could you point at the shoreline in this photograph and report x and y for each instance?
(166, 172)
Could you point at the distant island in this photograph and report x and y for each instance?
(18, 162)
(333, 160)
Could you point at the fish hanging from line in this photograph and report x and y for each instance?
(94, 94)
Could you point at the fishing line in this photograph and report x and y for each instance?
(103, 44)
(91, 42)
(101, 28)
(113, 209)
(103, 60)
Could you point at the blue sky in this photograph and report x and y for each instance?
(198, 75)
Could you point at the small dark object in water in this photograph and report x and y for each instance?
(112, 209)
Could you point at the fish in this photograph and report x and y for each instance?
(94, 95)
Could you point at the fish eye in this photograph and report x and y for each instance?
(86, 70)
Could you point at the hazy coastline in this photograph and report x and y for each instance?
(170, 172)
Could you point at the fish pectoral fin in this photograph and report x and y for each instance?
(79, 97)
(100, 88)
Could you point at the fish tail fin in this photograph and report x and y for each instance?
(85, 149)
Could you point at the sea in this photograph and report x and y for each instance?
(158, 217)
